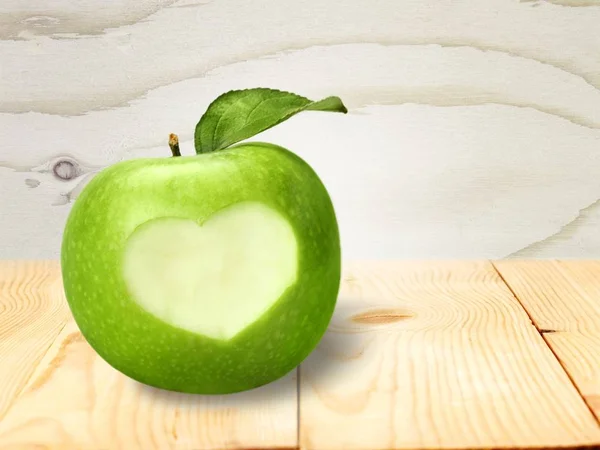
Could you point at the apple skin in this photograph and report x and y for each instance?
(153, 352)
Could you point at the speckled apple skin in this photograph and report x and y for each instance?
(151, 351)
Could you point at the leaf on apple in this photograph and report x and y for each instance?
(241, 114)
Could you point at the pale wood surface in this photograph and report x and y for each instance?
(563, 300)
(473, 130)
(418, 355)
(428, 355)
(74, 400)
(32, 314)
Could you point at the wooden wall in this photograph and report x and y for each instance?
(474, 126)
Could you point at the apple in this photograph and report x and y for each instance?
(213, 273)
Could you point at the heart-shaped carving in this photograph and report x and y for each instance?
(215, 279)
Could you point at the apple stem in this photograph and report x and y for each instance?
(174, 144)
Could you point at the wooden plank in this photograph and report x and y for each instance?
(436, 355)
(32, 313)
(76, 400)
(563, 300)
(428, 88)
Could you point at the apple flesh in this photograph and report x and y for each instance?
(210, 274)
(215, 280)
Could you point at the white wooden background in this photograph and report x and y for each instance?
(474, 126)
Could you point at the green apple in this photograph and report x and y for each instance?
(214, 273)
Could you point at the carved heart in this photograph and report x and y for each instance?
(215, 279)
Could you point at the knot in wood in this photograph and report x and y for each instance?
(65, 169)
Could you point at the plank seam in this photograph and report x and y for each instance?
(298, 393)
(542, 333)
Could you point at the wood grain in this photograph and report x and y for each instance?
(32, 314)
(57, 393)
(418, 355)
(473, 128)
(563, 300)
(76, 400)
(436, 355)
(134, 30)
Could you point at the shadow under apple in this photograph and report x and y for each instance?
(342, 350)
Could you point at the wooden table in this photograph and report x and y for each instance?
(419, 355)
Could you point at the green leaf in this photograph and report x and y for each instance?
(241, 114)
